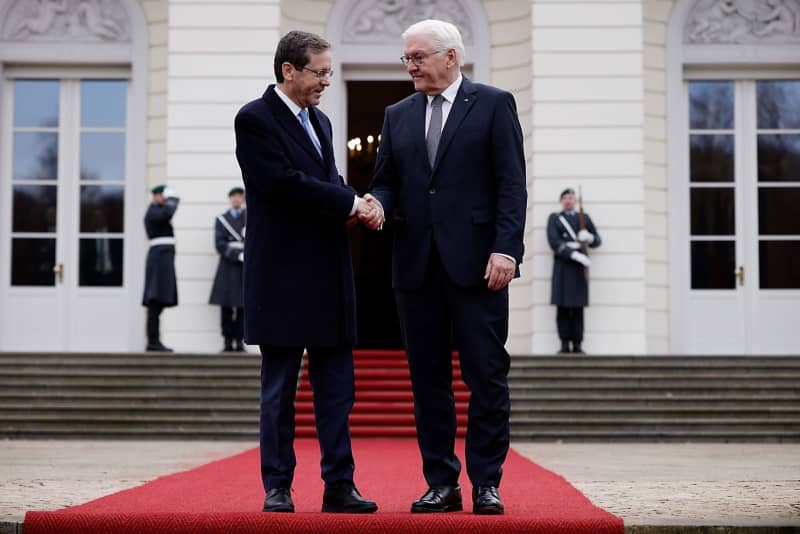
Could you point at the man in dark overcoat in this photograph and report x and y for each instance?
(229, 231)
(298, 277)
(160, 284)
(570, 281)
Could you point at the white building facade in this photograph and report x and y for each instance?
(678, 119)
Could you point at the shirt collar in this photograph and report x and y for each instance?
(450, 93)
(293, 107)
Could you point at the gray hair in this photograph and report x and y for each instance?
(443, 34)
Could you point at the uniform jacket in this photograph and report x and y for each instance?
(569, 284)
(227, 288)
(160, 284)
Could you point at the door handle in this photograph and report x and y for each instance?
(740, 275)
(59, 271)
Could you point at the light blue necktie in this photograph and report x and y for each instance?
(307, 125)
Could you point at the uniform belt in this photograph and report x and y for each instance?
(236, 244)
(167, 240)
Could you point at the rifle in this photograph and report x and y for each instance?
(582, 226)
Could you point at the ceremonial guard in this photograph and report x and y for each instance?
(569, 233)
(160, 285)
(227, 289)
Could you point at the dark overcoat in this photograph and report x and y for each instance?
(160, 283)
(298, 276)
(569, 284)
(227, 288)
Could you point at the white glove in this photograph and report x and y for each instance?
(585, 236)
(169, 193)
(241, 257)
(581, 258)
(574, 245)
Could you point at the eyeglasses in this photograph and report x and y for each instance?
(416, 59)
(319, 73)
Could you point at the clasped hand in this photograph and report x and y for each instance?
(370, 212)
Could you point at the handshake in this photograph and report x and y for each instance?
(369, 213)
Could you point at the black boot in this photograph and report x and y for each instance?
(564, 348)
(228, 345)
(576, 349)
(155, 345)
(240, 346)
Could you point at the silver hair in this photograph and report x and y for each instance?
(443, 34)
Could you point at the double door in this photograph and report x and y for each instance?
(65, 276)
(741, 245)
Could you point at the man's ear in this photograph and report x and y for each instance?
(288, 71)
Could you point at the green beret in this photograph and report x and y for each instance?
(236, 191)
(158, 189)
(567, 191)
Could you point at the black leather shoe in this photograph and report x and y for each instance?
(279, 500)
(576, 349)
(486, 501)
(439, 499)
(344, 498)
(157, 346)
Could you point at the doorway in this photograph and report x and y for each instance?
(378, 326)
(742, 250)
(64, 185)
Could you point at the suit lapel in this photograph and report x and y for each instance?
(290, 123)
(465, 99)
(418, 109)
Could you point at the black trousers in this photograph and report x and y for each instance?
(154, 310)
(333, 383)
(431, 318)
(232, 323)
(570, 324)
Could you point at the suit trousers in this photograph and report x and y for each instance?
(570, 324)
(333, 383)
(476, 319)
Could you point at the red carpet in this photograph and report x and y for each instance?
(384, 405)
(226, 496)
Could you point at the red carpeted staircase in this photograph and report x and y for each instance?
(384, 403)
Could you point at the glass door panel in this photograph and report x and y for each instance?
(34, 177)
(102, 178)
(712, 187)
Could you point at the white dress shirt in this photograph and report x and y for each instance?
(295, 109)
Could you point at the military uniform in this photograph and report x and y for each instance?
(160, 285)
(570, 284)
(227, 289)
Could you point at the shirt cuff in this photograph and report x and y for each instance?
(512, 258)
(355, 205)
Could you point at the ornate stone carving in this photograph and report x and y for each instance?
(743, 22)
(66, 20)
(381, 21)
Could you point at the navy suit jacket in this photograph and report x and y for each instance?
(298, 276)
(472, 202)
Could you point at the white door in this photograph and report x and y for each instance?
(741, 267)
(64, 215)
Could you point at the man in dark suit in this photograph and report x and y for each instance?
(451, 174)
(570, 282)
(298, 278)
(229, 232)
